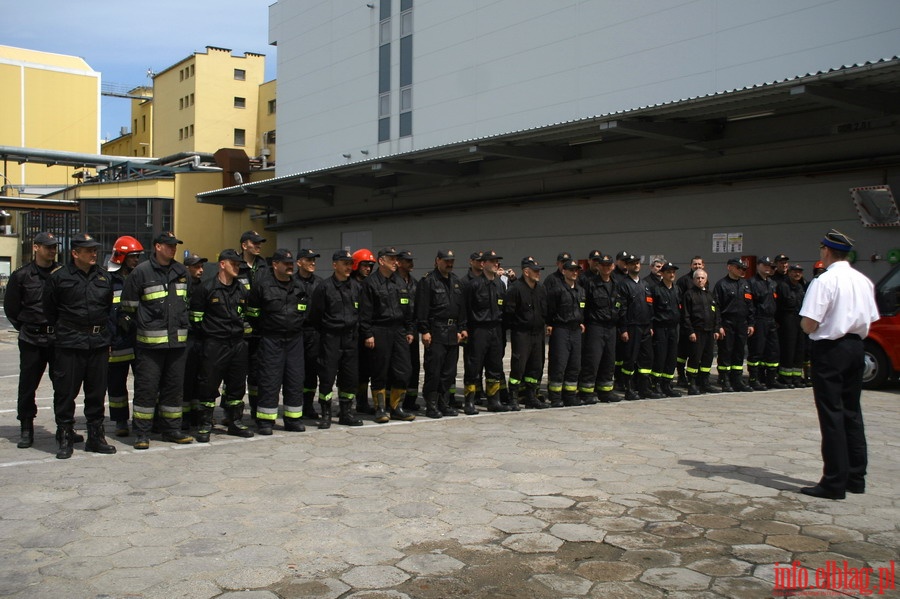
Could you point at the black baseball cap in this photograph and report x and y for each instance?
(167, 238)
(781, 258)
(388, 252)
(563, 257)
(252, 236)
(628, 258)
(307, 253)
(765, 261)
(84, 240)
(531, 263)
(405, 255)
(476, 256)
(668, 266)
(595, 255)
(341, 255)
(448, 255)
(490, 255)
(795, 267)
(736, 262)
(46, 238)
(283, 255)
(623, 255)
(194, 260)
(231, 254)
(571, 265)
(605, 259)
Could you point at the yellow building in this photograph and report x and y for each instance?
(265, 124)
(47, 101)
(138, 141)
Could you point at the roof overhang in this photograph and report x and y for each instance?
(16, 203)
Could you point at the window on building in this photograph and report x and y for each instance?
(144, 122)
(384, 32)
(192, 131)
(405, 111)
(181, 75)
(405, 5)
(384, 129)
(406, 60)
(271, 107)
(406, 23)
(270, 137)
(192, 70)
(192, 99)
(240, 136)
(180, 134)
(240, 75)
(384, 105)
(240, 102)
(385, 10)
(384, 68)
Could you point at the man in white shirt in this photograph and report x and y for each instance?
(838, 308)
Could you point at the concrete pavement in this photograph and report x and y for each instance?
(689, 497)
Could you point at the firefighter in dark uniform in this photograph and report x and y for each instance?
(524, 312)
(734, 301)
(619, 274)
(636, 334)
(685, 282)
(363, 265)
(77, 301)
(791, 339)
(308, 279)
(277, 310)
(484, 296)
(557, 277)
(253, 262)
(476, 268)
(781, 268)
(218, 311)
(701, 327)
(441, 319)
(125, 257)
(334, 313)
(405, 265)
(565, 322)
(156, 295)
(601, 315)
(386, 329)
(666, 317)
(762, 347)
(654, 277)
(25, 312)
(194, 351)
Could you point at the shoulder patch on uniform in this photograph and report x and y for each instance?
(214, 300)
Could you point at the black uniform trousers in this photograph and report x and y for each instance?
(791, 340)
(33, 360)
(564, 359)
(388, 361)
(732, 346)
(762, 347)
(310, 360)
(70, 369)
(701, 357)
(484, 352)
(338, 361)
(117, 388)
(527, 359)
(415, 365)
(251, 384)
(441, 360)
(665, 351)
(598, 358)
(192, 362)
(159, 376)
(281, 366)
(223, 360)
(637, 352)
(837, 369)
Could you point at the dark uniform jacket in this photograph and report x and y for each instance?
(666, 305)
(309, 285)
(440, 307)
(484, 301)
(765, 294)
(277, 308)
(384, 302)
(157, 296)
(790, 298)
(653, 279)
(121, 325)
(603, 305)
(637, 303)
(23, 305)
(565, 306)
(218, 310)
(78, 304)
(698, 312)
(734, 299)
(334, 306)
(525, 308)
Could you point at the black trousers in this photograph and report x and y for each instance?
(527, 359)
(310, 360)
(732, 346)
(837, 369)
(117, 389)
(280, 369)
(484, 352)
(388, 361)
(665, 351)
(637, 352)
(338, 361)
(192, 362)
(564, 361)
(441, 362)
(762, 347)
(33, 360)
(701, 357)
(791, 340)
(252, 370)
(598, 358)
(223, 360)
(158, 376)
(71, 369)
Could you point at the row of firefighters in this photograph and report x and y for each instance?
(276, 332)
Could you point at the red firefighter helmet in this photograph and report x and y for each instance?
(362, 255)
(124, 245)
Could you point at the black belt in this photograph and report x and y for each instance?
(90, 329)
(440, 323)
(44, 329)
(847, 337)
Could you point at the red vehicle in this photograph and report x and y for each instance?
(883, 343)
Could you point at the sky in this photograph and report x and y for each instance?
(123, 39)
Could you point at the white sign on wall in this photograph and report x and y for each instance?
(727, 243)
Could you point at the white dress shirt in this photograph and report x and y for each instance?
(842, 301)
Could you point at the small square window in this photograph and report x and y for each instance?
(240, 75)
(271, 107)
(240, 136)
(406, 99)
(384, 105)
(240, 102)
(384, 32)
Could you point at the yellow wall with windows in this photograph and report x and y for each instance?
(139, 141)
(266, 120)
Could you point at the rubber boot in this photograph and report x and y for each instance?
(325, 406)
(570, 397)
(122, 429)
(379, 399)
(682, 378)
(630, 393)
(469, 408)
(530, 400)
(409, 401)
(668, 388)
(309, 409)
(556, 400)
(445, 406)
(238, 428)
(513, 392)
(495, 405)
(772, 381)
(737, 382)
(505, 395)
(693, 389)
(294, 425)
(64, 436)
(646, 388)
(264, 427)
(431, 406)
(703, 383)
(756, 381)
(26, 439)
(204, 429)
(346, 415)
(396, 410)
(96, 441)
(724, 382)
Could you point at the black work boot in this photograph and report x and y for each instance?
(772, 381)
(703, 384)
(237, 428)
(668, 389)
(630, 393)
(409, 401)
(362, 401)
(645, 388)
(65, 438)
(294, 425)
(469, 408)
(264, 427)
(682, 378)
(27, 435)
(309, 409)
(737, 382)
(693, 389)
(396, 409)
(204, 428)
(431, 406)
(96, 441)
(724, 382)
(530, 400)
(346, 415)
(445, 405)
(379, 399)
(325, 406)
(494, 404)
